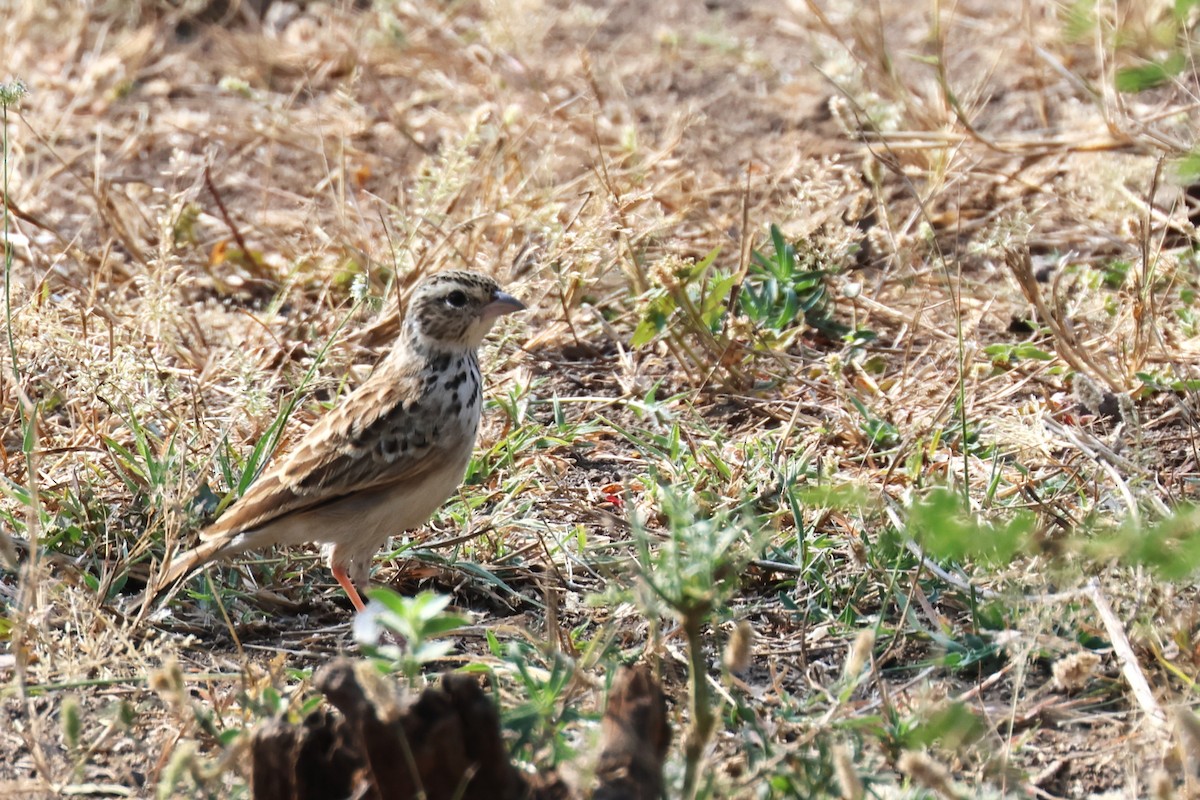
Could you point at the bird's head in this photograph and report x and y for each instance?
(456, 309)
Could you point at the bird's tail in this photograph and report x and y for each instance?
(181, 568)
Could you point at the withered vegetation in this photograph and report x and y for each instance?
(954, 463)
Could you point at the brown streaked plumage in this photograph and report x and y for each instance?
(387, 457)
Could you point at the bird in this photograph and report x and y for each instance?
(387, 457)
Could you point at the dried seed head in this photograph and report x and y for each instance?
(1187, 733)
(740, 648)
(860, 652)
(1128, 410)
(922, 769)
(167, 682)
(858, 552)
(847, 775)
(1087, 393)
(1161, 786)
(665, 273)
(168, 679)
(12, 92)
(1073, 671)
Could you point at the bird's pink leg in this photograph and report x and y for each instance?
(340, 574)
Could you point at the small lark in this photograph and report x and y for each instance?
(386, 458)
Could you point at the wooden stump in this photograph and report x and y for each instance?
(445, 744)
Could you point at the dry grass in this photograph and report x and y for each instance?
(958, 176)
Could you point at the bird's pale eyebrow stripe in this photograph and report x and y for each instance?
(462, 279)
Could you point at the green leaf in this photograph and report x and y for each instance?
(949, 531)
(1151, 381)
(1184, 7)
(782, 248)
(1150, 75)
(431, 651)
(999, 353)
(789, 309)
(645, 332)
(425, 604)
(1171, 547)
(1027, 350)
(1187, 168)
(308, 706)
(654, 320)
(702, 265)
(272, 700)
(713, 307)
(443, 624)
(263, 448)
(843, 497)
(128, 460)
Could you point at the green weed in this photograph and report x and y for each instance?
(543, 712)
(787, 285)
(688, 307)
(688, 571)
(417, 622)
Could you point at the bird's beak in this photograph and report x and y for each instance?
(502, 303)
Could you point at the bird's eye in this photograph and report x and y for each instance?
(456, 299)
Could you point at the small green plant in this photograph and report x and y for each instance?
(947, 530)
(10, 95)
(1189, 321)
(1005, 354)
(417, 622)
(1150, 74)
(149, 467)
(539, 719)
(881, 434)
(689, 571)
(1158, 41)
(523, 435)
(1114, 274)
(1163, 381)
(1169, 547)
(788, 285)
(686, 307)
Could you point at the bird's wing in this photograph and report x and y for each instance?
(384, 433)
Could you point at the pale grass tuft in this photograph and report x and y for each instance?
(1162, 787)
(167, 681)
(859, 654)
(858, 551)
(1187, 732)
(847, 776)
(925, 771)
(740, 647)
(1087, 393)
(12, 92)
